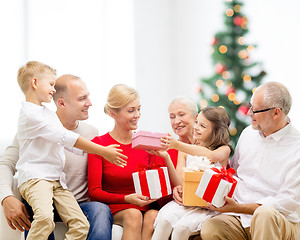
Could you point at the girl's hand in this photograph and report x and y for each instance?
(114, 155)
(169, 142)
(177, 194)
(138, 199)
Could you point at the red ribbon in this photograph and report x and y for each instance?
(143, 179)
(215, 181)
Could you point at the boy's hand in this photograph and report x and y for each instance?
(114, 155)
(168, 142)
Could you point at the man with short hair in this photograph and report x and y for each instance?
(266, 202)
(72, 101)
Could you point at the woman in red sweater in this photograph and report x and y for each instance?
(114, 185)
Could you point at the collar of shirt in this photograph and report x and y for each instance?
(277, 136)
(32, 105)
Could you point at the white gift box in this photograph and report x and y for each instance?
(212, 188)
(153, 183)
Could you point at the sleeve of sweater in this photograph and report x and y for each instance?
(8, 169)
(96, 192)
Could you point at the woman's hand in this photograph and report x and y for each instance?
(168, 142)
(177, 194)
(138, 199)
(160, 153)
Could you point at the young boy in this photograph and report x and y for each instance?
(42, 139)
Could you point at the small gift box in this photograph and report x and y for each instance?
(147, 140)
(153, 183)
(191, 181)
(191, 178)
(215, 184)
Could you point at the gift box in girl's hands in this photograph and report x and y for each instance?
(191, 178)
(153, 183)
(215, 184)
(147, 140)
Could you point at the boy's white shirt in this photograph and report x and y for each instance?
(42, 139)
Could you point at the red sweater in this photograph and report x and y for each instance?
(109, 183)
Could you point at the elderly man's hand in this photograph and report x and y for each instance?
(232, 206)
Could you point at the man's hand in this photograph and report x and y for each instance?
(177, 194)
(232, 206)
(16, 214)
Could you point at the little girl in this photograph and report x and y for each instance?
(211, 140)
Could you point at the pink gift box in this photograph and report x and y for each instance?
(153, 183)
(215, 184)
(147, 140)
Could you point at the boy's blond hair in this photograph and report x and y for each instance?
(30, 70)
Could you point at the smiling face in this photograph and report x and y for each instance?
(77, 101)
(260, 121)
(202, 130)
(128, 116)
(44, 85)
(182, 120)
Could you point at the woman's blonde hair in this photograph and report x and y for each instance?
(119, 96)
(30, 70)
(220, 123)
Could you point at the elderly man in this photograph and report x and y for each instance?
(267, 161)
(72, 101)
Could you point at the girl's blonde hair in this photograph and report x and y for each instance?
(30, 70)
(220, 123)
(119, 96)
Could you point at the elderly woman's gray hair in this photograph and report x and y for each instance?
(191, 105)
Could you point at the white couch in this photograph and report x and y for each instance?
(6, 233)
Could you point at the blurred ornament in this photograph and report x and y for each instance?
(243, 109)
(198, 89)
(223, 49)
(230, 90)
(220, 68)
(238, 20)
(262, 73)
(229, 12)
(215, 97)
(214, 41)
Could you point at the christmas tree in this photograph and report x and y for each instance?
(235, 76)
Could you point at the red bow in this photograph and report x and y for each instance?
(225, 174)
(144, 167)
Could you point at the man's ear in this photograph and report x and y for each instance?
(277, 112)
(34, 83)
(61, 102)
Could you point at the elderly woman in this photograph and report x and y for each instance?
(113, 185)
(183, 113)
